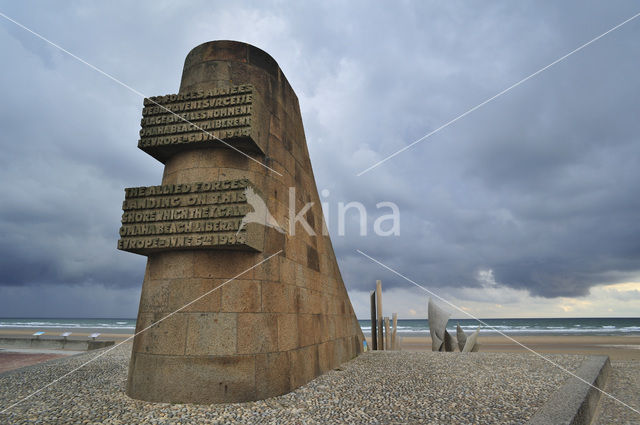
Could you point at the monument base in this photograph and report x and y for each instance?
(230, 379)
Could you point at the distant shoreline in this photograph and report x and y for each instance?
(608, 326)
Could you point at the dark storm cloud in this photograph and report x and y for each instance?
(538, 186)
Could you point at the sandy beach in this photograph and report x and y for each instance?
(616, 347)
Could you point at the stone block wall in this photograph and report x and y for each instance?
(274, 327)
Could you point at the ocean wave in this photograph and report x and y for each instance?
(67, 325)
(523, 329)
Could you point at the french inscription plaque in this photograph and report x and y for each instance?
(204, 215)
(202, 118)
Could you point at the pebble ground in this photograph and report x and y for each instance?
(375, 388)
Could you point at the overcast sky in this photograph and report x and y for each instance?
(526, 207)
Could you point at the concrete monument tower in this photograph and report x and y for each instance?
(216, 215)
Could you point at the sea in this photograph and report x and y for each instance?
(406, 327)
(565, 326)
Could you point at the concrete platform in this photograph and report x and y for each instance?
(576, 402)
(382, 387)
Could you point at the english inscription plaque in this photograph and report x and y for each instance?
(204, 215)
(234, 114)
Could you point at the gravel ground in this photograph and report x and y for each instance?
(623, 384)
(375, 388)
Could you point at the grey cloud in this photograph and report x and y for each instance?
(538, 186)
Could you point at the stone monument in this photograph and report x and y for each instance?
(438, 318)
(237, 188)
(441, 340)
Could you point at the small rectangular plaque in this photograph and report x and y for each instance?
(234, 114)
(204, 215)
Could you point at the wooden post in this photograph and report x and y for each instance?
(394, 339)
(379, 310)
(374, 332)
(387, 336)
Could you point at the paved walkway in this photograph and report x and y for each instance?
(10, 360)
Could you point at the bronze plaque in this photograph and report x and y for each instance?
(204, 118)
(204, 215)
